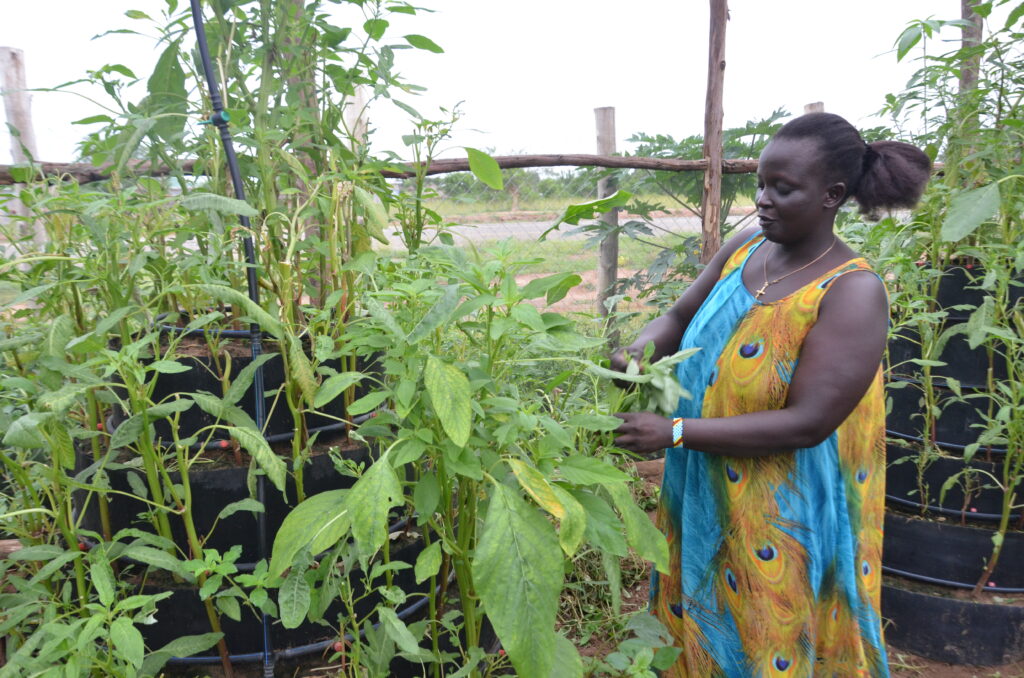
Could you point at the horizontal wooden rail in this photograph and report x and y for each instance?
(85, 172)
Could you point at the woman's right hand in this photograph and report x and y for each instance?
(620, 362)
(621, 357)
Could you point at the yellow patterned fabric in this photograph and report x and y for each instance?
(775, 559)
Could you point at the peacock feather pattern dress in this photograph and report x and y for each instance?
(775, 560)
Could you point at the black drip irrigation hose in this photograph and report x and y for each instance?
(950, 447)
(220, 120)
(945, 582)
(954, 513)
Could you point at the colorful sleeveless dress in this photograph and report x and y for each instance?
(775, 560)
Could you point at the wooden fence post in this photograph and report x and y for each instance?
(607, 268)
(815, 107)
(18, 109)
(711, 209)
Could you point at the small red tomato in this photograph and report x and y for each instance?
(82, 546)
(99, 426)
(338, 646)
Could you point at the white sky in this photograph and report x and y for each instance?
(531, 72)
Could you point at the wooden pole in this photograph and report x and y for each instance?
(18, 109)
(608, 261)
(17, 105)
(711, 208)
(815, 107)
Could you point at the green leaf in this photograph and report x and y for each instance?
(378, 311)
(102, 576)
(398, 631)
(21, 173)
(185, 646)
(241, 383)
(241, 302)
(229, 606)
(423, 42)
(24, 431)
(589, 210)
(128, 431)
(332, 387)
(369, 501)
(641, 533)
(247, 504)
(300, 370)
(604, 529)
(554, 286)
(61, 332)
(568, 663)
(573, 523)
(168, 367)
(293, 599)
(40, 552)
(93, 119)
(1015, 15)
(485, 168)
(595, 422)
(196, 202)
(166, 409)
(319, 523)
(213, 405)
(517, 568)
(136, 14)
(154, 557)
(256, 445)
(127, 641)
(375, 28)
(376, 215)
(428, 562)
(968, 211)
(450, 395)
(426, 496)
(438, 315)
(167, 101)
(581, 470)
(910, 37)
(367, 403)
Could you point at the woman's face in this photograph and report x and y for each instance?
(794, 199)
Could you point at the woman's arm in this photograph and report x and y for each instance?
(838, 360)
(666, 331)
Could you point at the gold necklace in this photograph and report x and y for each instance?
(766, 285)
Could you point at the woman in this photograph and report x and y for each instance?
(772, 498)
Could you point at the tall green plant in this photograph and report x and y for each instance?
(504, 454)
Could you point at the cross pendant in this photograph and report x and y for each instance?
(757, 294)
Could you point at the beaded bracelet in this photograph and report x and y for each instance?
(677, 432)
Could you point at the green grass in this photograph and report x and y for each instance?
(568, 256)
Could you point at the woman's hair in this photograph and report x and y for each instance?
(882, 174)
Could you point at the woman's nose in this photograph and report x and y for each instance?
(760, 197)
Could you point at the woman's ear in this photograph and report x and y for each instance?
(835, 194)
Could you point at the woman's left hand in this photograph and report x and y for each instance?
(643, 432)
